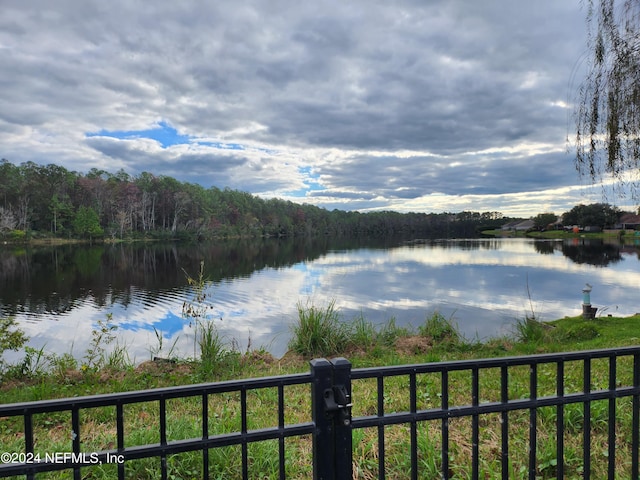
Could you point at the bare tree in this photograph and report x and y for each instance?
(7, 220)
(608, 111)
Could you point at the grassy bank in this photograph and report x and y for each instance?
(561, 234)
(321, 331)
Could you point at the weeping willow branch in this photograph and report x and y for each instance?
(608, 112)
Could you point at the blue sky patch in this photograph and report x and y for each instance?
(164, 134)
(311, 182)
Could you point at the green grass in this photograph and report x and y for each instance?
(554, 234)
(365, 344)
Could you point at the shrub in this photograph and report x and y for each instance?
(11, 338)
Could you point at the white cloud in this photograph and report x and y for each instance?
(387, 103)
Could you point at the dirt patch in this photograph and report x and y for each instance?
(161, 367)
(258, 357)
(291, 358)
(413, 345)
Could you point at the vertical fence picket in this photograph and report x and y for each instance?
(504, 421)
(586, 427)
(75, 443)
(205, 435)
(635, 420)
(28, 440)
(560, 421)
(163, 437)
(243, 432)
(533, 421)
(413, 408)
(120, 436)
(281, 457)
(444, 405)
(381, 449)
(612, 418)
(475, 427)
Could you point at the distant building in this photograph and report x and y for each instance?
(628, 221)
(510, 225)
(518, 226)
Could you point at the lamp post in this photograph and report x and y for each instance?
(588, 312)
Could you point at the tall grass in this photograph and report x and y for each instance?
(319, 331)
(530, 331)
(212, 346)
(440, 329)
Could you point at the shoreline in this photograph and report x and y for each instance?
(431, 341)
(561, 234)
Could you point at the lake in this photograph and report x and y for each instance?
(59, 294)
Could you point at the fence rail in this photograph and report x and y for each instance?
(349, 406)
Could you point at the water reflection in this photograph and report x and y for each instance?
(59, 294)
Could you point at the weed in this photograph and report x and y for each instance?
(118, 358)
(34, 362)
(197, 309)
(62, 364)
(157, 349)
(205, 335)
(100, 337)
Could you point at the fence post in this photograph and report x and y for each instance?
(342, 419)
(323, 465)
(331, 405)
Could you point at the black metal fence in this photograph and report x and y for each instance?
(457, 420)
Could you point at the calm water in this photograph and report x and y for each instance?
(59, 294)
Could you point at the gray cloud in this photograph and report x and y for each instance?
(386, 101)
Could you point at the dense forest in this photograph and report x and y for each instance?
(37, 200)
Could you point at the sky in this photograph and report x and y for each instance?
(407, 105)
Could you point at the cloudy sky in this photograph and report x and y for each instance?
(410, 105)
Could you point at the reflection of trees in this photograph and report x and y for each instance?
(459, 244)
(545, 248)
(592, 252)
(56, 279)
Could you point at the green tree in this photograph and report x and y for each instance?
(61, 211)
(86, 223)
(608, 113)
(542, 220)
(596, 214)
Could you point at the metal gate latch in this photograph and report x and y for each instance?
(337, 400)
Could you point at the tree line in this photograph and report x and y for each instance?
(49, 200)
